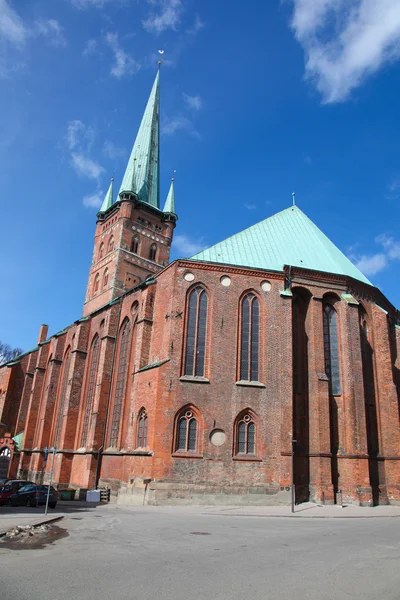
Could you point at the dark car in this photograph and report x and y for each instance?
(11, 487)
(33, 495)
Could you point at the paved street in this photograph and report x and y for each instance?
(124, 553)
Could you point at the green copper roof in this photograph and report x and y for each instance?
(142, 173)
(170, 201)
(287, 238)
(108, 199)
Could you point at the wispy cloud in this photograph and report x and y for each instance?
(124, 64)
(346, 41)
(168, 16)
(250, 206)
(90, 48)
(79, 140)
(193, 102)
(393, 189)
(110, 150)
(197, 26)
(52, 30)
(188, 246)
(94, 200)
(179, 123)
(12, 28)
(371, 264)
(95, 3)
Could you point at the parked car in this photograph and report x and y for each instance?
(11, 487)
(33, 495)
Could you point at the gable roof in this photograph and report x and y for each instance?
(287, 238)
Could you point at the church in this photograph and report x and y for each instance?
(264, 362)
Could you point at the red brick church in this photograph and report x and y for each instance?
(188, 381)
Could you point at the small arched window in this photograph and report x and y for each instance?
(135, 244)
(196, 328)
(249, 338)
(187, 433)
(331, 349)
(94, 364)
(245, 435)
(153, 252)
(101, 251)
(105, 278)
(96, 283)
(142, 429)
(110, 246)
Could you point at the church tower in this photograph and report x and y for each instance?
(133, 235)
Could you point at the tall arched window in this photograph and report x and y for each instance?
(96, 283)
(196, 326)
(187, 432)
(122, 368)
(101, 251)
(135, 244)
(245, 435)
(105, 278)
(62, 397)
(142, 429)
(153, 252)
(249, 338)
(93, 369)
(110, 246)
(331, 349)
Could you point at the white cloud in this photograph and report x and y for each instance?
(197, 26)
(346, 41)
(188, 246)
(79, 134)
(94, 200)
(167, 17)
(393, 189)
(12, 28)
(94, 3)
(85, 166)
(179, 123)
(124, 63)
(193, 102)
(52, 30)
(250, 206)
(374, 263)
(90, 48)
(112, 151)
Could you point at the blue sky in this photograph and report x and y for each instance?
(257, 101)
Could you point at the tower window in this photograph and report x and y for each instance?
(249, 338)
(331, 349)
(101, 251)
(110, 246)
(135, 244)
(245, 435)
(187, 433)
(153, 252)
(142, 429)
(196, 326)
(96, 283)
(105, 278)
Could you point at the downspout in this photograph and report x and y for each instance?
(100, 451)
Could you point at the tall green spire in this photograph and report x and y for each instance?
(108, 199)
(169, 206)
(142, 175)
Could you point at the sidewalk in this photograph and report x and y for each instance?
(27, 517)
(308, 510)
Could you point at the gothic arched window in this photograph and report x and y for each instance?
(331, 349)
(124, 340)
(142, 429)
(186, 438)
(110, 246)
(101, 251)
(153, 252)
(105, 278)
(249, 338)
(135, 244)
(196, 329)
(245, 435)
(96, 283)
(62, 395)
(93, 369)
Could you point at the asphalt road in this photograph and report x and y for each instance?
(120, 553)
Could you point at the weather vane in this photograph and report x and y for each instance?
(161, 52)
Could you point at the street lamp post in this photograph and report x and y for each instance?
(54, 450)
(293, 496)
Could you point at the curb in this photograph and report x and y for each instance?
(43, 522)
(306, 516)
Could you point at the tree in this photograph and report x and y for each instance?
(7, 353)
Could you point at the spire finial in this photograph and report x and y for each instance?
(294, 198)
(161, 52)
